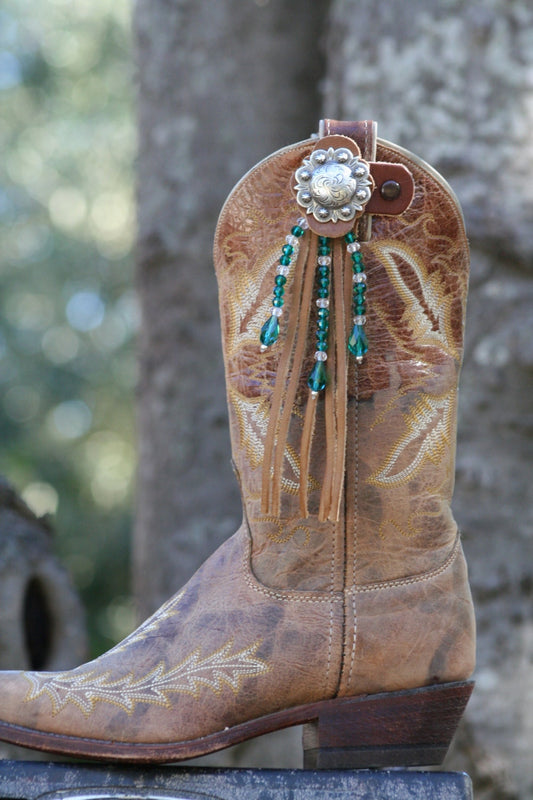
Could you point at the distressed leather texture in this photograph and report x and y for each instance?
(290, 610)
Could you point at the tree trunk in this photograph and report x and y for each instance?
(452, 82)
(221, 85)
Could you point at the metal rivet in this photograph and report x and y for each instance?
(390, 190)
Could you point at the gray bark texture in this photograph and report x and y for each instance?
(452, 81)
(42, 624)
(222, 85)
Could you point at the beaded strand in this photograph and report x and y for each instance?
(357, 342)
(318, 378)
(270, 330)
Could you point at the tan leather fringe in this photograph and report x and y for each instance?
(341, 380)
(305, 452)
(301, 344)
(288, 376)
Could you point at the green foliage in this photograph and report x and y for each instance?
(68, 313)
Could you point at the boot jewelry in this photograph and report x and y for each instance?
(332, 186)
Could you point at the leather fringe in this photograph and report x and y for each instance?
(286, 387)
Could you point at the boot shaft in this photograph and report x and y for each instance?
(378, 478)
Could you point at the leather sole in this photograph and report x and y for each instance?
(412, 727)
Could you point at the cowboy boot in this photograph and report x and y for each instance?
(342, 602)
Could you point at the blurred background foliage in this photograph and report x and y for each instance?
(68, 313)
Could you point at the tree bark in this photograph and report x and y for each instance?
(221, 85)
(451, 81)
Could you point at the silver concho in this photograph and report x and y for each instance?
(333, 184)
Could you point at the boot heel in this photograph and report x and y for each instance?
(395, 729)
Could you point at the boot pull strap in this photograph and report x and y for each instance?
(394, 184)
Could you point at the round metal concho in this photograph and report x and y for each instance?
(333, 184)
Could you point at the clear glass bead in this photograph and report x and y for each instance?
(324, 261)
(283, 270)
(359, 277)
(292, 240)
(353, 247)
(359, 319)
(322, 302)
(277, 312)
(303, 223)
(320, 355)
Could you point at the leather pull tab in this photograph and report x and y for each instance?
(394, 184)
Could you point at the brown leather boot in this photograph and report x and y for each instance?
(342, 601)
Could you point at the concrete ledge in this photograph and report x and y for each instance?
(27, 780)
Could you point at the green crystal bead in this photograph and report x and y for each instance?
(358, 267)
(318, 377)
(323, 313)
(357, 258)
(281, 280)
(323, 292)
(323, 346)
(279, 291)
(359, 289)
(287, 249)
(321, 336)
(349, 237)
(323, 272)
(278, 302)
(269, 331)
(358, 343)
(297, 231)
(323, 282)
(323, 324)
(323, 240)
(285, 261)
(324, 251)
(360, 309)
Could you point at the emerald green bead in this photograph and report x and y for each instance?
(318, 377)
(297, 231)
(278, 302)
(281, 280)
(358, 267)
(279, 291)
(359, 289)
(349, 237)
(323, 272)
(324, 251)
(323, 282)
(323, 292)
(360, 309)
(358, 343)
(285, 261)
(323, 324)
(321, 336)
(323, 313)
(322, 346)
(287, 249)
(357, 258)
(270, 331)
(323, 240)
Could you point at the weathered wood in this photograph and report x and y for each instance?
(42, 624)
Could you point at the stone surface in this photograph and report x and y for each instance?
(55, 781)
